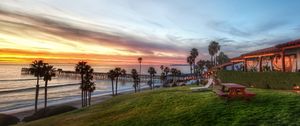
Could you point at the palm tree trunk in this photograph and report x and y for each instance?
(173, 79)
(139, 83)
(83, 98)
(152, 82)
(194, 68)
(214, 58)
(82, 104)
(36, 94)
(112, 87)
(191, 68)
(90, 97)
(46, 88)
(211, 59)
(86, 98)
(117, 86)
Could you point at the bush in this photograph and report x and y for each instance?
(266, 80)
(6, 120)
(50, 111)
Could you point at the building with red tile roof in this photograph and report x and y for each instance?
(282, 57)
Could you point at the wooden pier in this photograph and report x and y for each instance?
(97, 75)
(104, 76)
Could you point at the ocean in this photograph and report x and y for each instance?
(17, 91)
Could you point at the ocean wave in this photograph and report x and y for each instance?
(31, 88)
(26, 79)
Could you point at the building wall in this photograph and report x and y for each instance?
(237, 66)
(298, 60)
(294, 57)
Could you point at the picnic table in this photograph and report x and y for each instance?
(232, 90)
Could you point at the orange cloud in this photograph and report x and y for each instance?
(25, 37)
(22, 56)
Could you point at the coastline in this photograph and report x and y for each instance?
(76, 102)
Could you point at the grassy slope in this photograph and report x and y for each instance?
(180, 106)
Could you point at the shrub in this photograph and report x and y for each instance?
(50, 111)
(266, 80)
(6, 120)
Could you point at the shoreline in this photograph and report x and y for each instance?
(76, 102)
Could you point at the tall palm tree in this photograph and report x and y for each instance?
(49, 72)
(89, 85)
(213, 49)
(81, 69)
(217, 48)
(119, 72)
(194, 53)
(112, 76)
(36, 68)
(140, 59)
(136, 79)
(190, 61)
(152, 72)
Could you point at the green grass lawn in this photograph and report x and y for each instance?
(180, 106)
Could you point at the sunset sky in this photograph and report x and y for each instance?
(160, 31)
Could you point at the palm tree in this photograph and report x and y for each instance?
(49, 72)
(173, 73)
(213, 49)
(36, 68)
(118, 72)
(190, 61)
(152, 72)
(194, 53)
(89, 86)
(167, 70)
(112, 76)
(135, 77)
(140, 61)
(81, 69)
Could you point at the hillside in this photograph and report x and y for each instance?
(180, 106)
